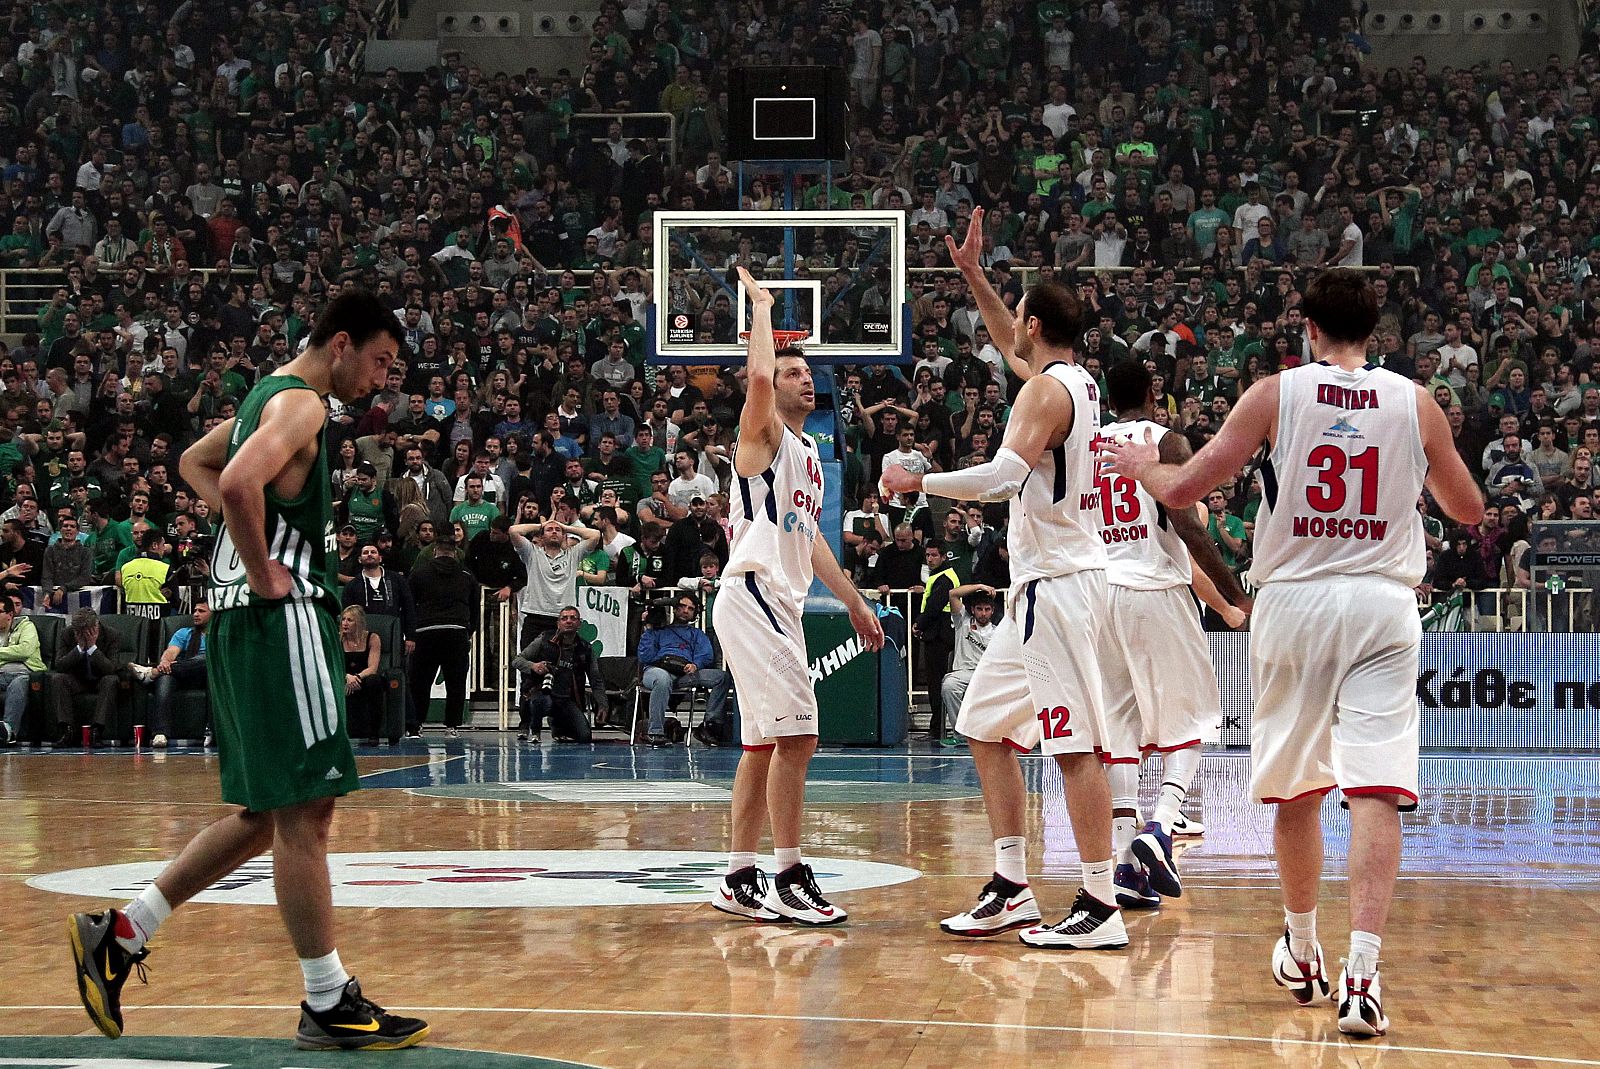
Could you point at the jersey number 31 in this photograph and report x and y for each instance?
(1334, 466)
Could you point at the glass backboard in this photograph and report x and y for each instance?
(840, 276)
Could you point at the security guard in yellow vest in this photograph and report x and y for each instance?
(932, 628)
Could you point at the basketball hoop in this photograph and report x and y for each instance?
(781, 338)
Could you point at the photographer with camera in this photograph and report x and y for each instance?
(674, 656)
(557, 667)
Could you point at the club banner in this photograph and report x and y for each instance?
(1485, 692)
(605, 618)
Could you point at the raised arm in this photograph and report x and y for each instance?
(996, 316)
(760, 429)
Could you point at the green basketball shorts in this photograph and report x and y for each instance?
(276, 674)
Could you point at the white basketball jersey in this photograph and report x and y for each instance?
(1055, 522)
(1339, 491)
(775, 516)
(1143, 549)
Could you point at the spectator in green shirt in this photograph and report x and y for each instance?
(1227, 531)
(475, 514)
(1204, 220)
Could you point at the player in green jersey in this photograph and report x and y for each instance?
(274, 652)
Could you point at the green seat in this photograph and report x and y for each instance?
(37, 725)
(191, 706)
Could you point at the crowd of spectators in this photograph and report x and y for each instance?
(199, 179)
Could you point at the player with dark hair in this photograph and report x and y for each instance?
(777, 547)
(1038, 682)
(1160, 684)
(1338, 550)
(275, 653)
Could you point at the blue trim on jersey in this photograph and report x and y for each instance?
(772, 494)
(1059, 455)
(744, 493)
(1030, 592)
(755, 592)
(1269, 483)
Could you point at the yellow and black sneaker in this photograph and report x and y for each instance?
(357, 1023)
(103, 967)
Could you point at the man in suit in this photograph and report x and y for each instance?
(89, 659)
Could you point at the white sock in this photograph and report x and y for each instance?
(1124, 779)
(1363, 960)
(788, 857)
(1011, 858)
(1177, 772)
(325, 980)
(740, 859)
(145, 914)
(1123, 831)
(1302, 934)
(1097, 881)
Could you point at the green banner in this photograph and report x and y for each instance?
(845, 677)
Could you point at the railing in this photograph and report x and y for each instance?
(494, 644)
(670, 143)
(1520, 609)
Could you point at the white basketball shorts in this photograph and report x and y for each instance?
(765, 649)
(1038, 683)
(1160, 686)
(1333, 663)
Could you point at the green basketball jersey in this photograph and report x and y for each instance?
(365, 510)
(299, 532)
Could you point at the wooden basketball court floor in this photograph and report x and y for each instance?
(548, 902)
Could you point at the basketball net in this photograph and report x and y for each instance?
(780, 338)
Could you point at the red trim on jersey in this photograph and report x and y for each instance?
(1016, 747)
(1152, 748)
(1357, 792)
(762, 748)
(1302, 794)
(1106, 758)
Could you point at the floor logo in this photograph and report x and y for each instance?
(471, 879)
(215, 1052)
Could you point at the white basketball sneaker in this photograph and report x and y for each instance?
(1002, 906)
(1187, 826)
(1091, 925)
(1307, 981)
(796, 897)
(1361, 1005)
(740, 894)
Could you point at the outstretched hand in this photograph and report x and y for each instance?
(966, 255)
(753, 291)
(897, 480)
(1128, 458)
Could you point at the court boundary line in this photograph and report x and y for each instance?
(993, 1026)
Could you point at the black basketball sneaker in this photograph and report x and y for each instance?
(1092, 925)
(1002, 906)
(742, 894)
(103, 967)
(795, 897)
(357, 1023)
